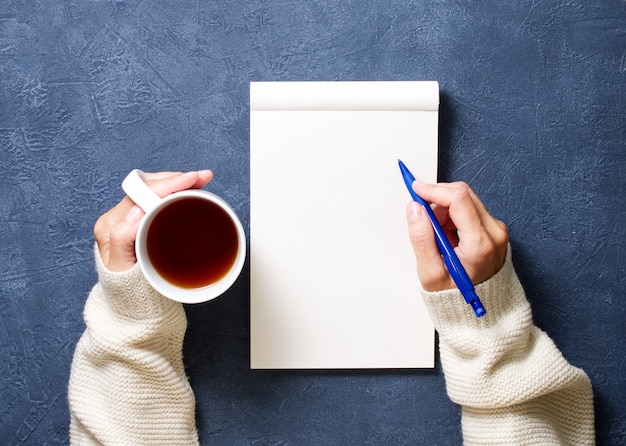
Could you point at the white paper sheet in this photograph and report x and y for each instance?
(333, 282)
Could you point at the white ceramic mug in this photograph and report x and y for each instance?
(180, 228)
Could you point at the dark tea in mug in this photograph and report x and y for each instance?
(192, 243)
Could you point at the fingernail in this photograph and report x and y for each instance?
(414, 212)
(189, 174)
(134, 214)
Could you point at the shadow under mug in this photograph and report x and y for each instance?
(193, 222)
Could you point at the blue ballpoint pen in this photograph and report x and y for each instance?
(460, 277)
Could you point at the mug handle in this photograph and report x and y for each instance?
(136, 188)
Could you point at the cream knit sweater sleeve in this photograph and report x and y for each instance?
(128, 385)
(513, 384)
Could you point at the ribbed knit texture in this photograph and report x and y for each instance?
(513, 384)
(128, 385)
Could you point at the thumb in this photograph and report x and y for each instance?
(122, 241)
(431, 269)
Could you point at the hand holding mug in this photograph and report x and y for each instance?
(190, 245)
(115, 231)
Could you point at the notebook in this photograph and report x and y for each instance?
(333, 281)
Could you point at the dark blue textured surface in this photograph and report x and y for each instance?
(533, 116)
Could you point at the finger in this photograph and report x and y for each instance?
(495, 230)
(204, 176)
(116, 230)
(480, 240)
(462, 210)
(153, 176)
(491, 224)
(121, 248)
(489, 221)
(457, 197)
(447, 224)
(430, 267)
(166, 183)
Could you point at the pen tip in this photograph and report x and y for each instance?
(403, 168)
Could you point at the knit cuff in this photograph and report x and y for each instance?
(500, 295)
(129, 294)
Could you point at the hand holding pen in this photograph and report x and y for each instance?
(478, 239)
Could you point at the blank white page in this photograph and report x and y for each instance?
(333, 281)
